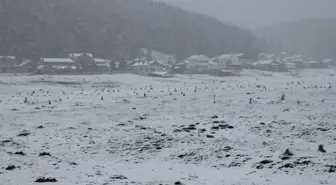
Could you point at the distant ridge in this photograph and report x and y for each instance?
(116, 29)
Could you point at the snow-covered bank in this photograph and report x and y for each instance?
(119, 129)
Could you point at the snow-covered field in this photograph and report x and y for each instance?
(127, 129)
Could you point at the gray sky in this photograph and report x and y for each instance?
(254, 14)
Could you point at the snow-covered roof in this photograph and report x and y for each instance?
(225, 56)
(57, 67)
(58, 60)
(22, 64)
(289, 63)
(60, 67)
(199, 57)
(10, 57)
(212, 62)
(102, 62)
(79, 54)
(229, 56)
(263, 62)
(297, 60)
(328, 60)
(99, 60)
(145, 63)
(266, 55)
(103, 65)
(312, 62)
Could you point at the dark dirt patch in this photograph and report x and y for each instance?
(226, 126)
(186, 155)
(210, 136)
(44, 154)
(45, 180)
(287, 165)
(10, 167)
(118, 177)
(19, 153)
(24, 133)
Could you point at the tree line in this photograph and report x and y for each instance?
(115, 29)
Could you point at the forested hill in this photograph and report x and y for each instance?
(315, 37)
(114, 29)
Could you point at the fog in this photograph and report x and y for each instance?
(255, 14)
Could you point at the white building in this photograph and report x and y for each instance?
(198, 62)
(228, 59)
(49, 65)
(265, 57)
(6, 63)
(327, 62)
(269, 65)
(212, 65)
(147, 67)
(290, 65)
(76, 55)
(102, 66)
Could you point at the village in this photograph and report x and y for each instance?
(160, 64)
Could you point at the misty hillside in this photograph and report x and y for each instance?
(115, 29)
(315, 38)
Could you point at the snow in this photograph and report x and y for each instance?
(22, 64)
(75, 55)
(99, 60)
(263, 62)
(160, 73)
(312, 62)
(230, 56)
(102, 62)
(100, 128)
(199, 58)
(146, 63)
(10, 57)
(63, 60)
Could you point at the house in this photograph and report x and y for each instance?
(212, 65)
(147, 67)
(102, 66)
(326, 63)
(84, 59)
(331, 61)
(231, 61)
(265, 57)
(198, 62)
(313, 64)
(246, 63)
(290, 65)
(269, 65)
(298, 60)
(55, 65)
(24, 67)
(7, 63)
(164, 58)
(180, 67)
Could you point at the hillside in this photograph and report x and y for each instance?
(115, 29)
(315, 38)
